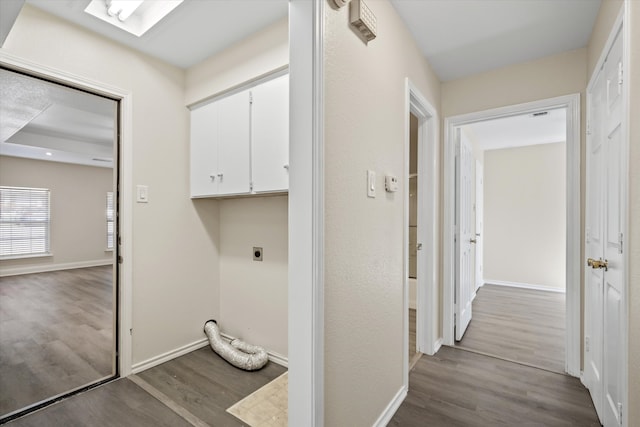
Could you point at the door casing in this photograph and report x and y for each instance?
(574, 265)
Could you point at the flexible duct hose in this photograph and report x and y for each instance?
(240, 354)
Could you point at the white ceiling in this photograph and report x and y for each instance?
(39, 117)
(192, 32)
(519, 131)
(465, 37)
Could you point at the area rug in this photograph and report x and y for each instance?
(267, 406)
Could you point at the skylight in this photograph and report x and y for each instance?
(133, 16)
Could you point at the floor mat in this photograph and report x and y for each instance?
(267, 406)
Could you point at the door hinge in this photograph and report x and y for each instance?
(119, 259)
(620, 412)
(250, 97)
(586, 344)
(587, 235)
(251, 186)
(620, 73)
(620, 241)
(588, 128)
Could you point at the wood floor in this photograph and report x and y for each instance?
(413, 353)
(193, 390)
(56, 334)
(521, 325)
(461, 388)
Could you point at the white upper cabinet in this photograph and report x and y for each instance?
(270, 136)
(240, 143)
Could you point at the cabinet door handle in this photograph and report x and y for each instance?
(286, 167)
(220, 175)
(213, 177)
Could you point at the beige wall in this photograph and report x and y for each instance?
(265, 51)
(525, 215)
(77, 206)
(633, 73)
(253, 294)
(365, 129)
(175, 273)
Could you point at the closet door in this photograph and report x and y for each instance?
(270, 136)
(234, 138)
(204, 151)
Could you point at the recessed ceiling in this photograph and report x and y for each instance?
(192, 32)
(46, 121)
(464, 37)
(545, 127)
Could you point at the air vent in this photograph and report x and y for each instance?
(540, 114)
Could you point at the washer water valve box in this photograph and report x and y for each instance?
(363, 19)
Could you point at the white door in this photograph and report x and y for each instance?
(465, 236)
(270, 135)
(479, 221)
(234, 133)
(605, 293)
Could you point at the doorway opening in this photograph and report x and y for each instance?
(452, 301)
(58, 240)
(511, 218)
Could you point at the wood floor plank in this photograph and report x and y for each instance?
(56, 333)
(206, 385)
(517, 324)
(461, 388)
(120, 403)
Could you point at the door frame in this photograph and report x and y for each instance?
(619, 27)
(573, 264)
(428, 173)
(124, 169)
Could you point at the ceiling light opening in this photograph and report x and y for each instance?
(134, 16)
(48, 153)
(122, 8)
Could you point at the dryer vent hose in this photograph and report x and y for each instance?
(240, 354)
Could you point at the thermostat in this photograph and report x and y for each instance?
(391, 183)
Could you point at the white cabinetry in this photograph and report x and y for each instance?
(240, 143)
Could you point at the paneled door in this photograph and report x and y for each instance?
(605, 293)
(465, 236)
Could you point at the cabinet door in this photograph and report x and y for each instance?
(204, 151)
(234, 174)
(270, 136)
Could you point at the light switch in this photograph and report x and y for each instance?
(142, 194)
(371, 184)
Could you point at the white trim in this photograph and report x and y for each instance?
(572, 103)
(437, 345)
(306, 214)
(169, 355)
(531, 286)
(43, 268)
(388, 413)
(126, 184)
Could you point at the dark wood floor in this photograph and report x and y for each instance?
(198, 386)
(521, 325)
(56, 334)
(461, 388)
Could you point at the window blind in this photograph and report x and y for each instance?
(24, 221)
(110, 222)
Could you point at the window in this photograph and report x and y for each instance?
(110, 220)
(24, 222)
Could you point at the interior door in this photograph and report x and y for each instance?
(605, 272)
(479, 222)
(465, 285)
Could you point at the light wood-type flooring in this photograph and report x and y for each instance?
(521, 325)
(56, 334)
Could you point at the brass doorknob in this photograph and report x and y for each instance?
(598, 264)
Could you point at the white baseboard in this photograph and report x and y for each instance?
(43, 268)
(392, 407)
(169, 355)
(523, 285)
(196, 345)
(437, 345)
